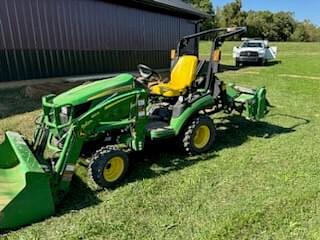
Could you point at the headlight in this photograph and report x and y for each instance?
(261, 53)
(65, 110)
(65, 114)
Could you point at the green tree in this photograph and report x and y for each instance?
(231, 15)
(273, 26)
(284, 25)
(299, 34)
(205, 6)
(312, 33)
(260, 24)
(280, 26)
(306, 32)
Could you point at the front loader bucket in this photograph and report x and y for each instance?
(25, 193)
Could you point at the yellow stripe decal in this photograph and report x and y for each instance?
(110, 91)
(116, 102)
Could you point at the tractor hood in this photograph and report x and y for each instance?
(95, 90)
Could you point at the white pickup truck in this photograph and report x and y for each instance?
(254, 51)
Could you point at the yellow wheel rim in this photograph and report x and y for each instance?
(113, 169)
(201, 137)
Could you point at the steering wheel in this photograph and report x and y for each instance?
(147, 72)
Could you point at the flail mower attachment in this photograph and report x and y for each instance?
(252, 103)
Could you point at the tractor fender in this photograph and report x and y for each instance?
(177, 123)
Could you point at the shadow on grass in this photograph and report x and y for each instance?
(160, 158)
(234, 130)
(14, 102)
(80, 196)
(272, 63)
(163, 157)
(226, 68)
(17, 100)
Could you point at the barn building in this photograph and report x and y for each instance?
(46, 38)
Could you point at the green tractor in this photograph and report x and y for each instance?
(122, 112)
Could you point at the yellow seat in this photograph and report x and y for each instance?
(182, 76)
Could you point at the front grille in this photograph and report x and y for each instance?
(249, 54)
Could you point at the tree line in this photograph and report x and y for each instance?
(279, 26)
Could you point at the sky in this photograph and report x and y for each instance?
(302, 9)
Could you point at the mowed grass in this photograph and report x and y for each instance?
(261, 181)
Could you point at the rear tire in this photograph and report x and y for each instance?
(108, 167)
(199, 136)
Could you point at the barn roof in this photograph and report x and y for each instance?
(176, 6)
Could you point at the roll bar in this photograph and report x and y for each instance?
(216, 43)
(228, 33)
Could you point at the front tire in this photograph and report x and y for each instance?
(108, 167)
(199, 136)
(261, 61)
(238, 64)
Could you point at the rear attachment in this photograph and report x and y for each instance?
(25, 193)
(252, 102)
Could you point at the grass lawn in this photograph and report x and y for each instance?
(261, 181)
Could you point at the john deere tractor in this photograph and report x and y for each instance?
(122, 112)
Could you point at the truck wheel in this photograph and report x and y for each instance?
(237, 64)
(261, 62)
(199, 136)
(108, 166)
